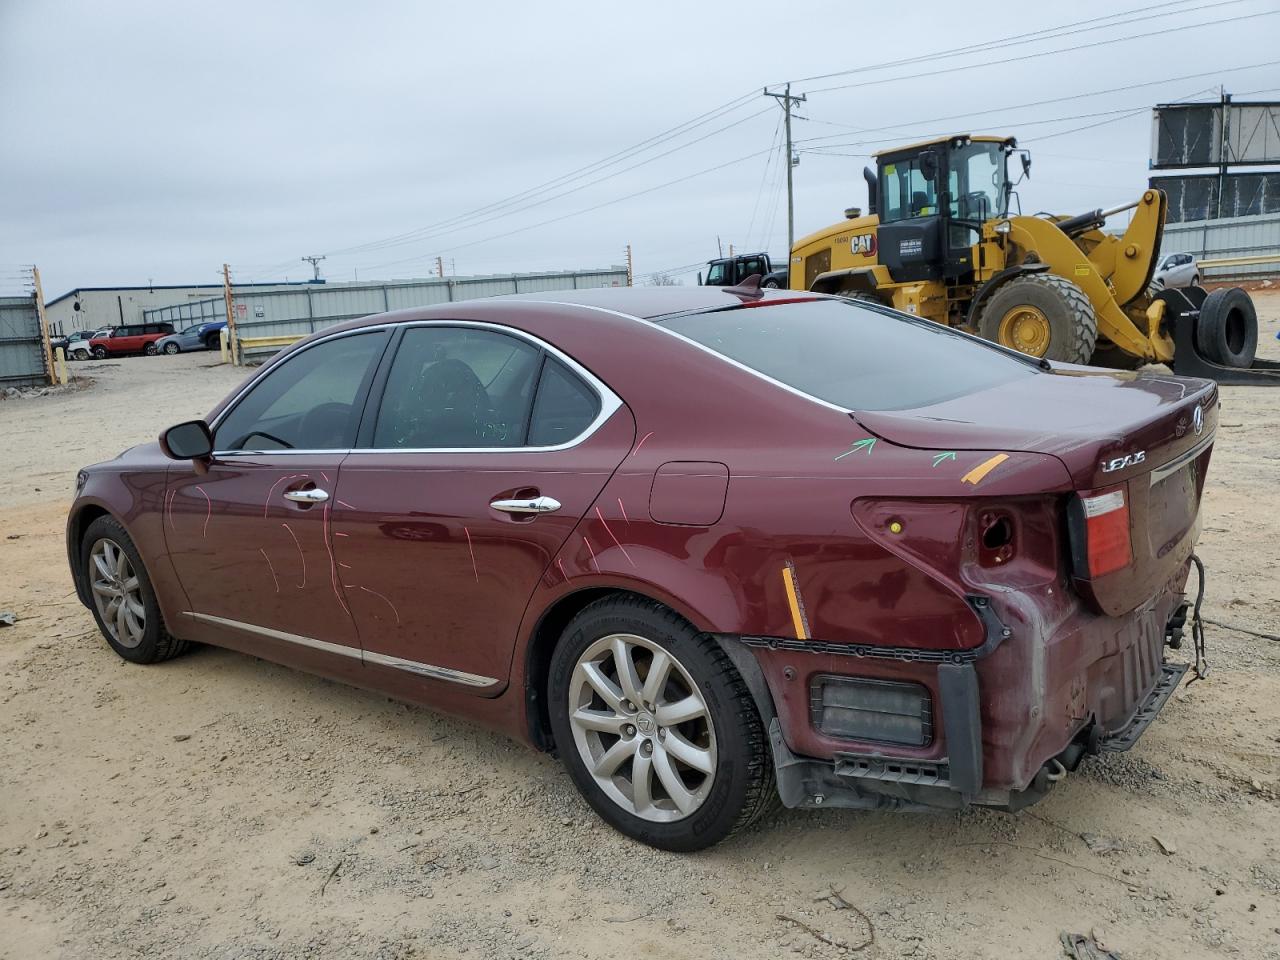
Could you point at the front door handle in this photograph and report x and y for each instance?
(315, 495)
(533, 505)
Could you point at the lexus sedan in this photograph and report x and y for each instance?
(712, 547)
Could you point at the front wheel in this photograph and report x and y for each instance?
(171, 348)
(150, 349)
(656, 727)
(100, 352)
(1041, 315)
(770, 284)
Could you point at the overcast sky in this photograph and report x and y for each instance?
(138, 143)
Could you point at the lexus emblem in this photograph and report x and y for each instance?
(1197, 420)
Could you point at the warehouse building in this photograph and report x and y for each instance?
(90, 308)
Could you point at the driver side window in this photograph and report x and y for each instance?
(311, 401)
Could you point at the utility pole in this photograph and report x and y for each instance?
(231, 313)
(440, 267)
(315, 265)
(44, 323)
(630, 270)
(787, 100)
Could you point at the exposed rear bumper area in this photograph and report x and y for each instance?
(1013, 722)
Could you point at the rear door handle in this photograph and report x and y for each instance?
(315, 495)
(533, 505)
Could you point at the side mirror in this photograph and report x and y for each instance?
(699, 278)
(187, 441)
(929, 165)
(1026, 165)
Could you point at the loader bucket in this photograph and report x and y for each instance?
(1182, 309)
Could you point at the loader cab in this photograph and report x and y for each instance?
(933, 198)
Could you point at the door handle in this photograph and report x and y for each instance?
(533, 505)
(315, 495)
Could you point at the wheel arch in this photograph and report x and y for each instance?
(995, 283)
(549, 626)
(78, 523)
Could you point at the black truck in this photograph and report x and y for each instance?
(730, 271)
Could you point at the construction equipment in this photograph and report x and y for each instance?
(729, 271)
(939, 241)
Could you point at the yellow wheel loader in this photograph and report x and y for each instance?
(939, 241)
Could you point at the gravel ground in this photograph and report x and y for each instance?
(218, 806)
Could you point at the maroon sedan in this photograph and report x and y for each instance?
(710, 546)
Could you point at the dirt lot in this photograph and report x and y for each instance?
(219, 806)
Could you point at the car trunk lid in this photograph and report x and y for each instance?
(1133, 442)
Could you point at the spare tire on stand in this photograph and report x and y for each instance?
(1227, 329)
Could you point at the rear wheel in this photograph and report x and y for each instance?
(171, 348)
(124, 602)
(1041, 315)
(1227, 331)
(211, 341)
(770, 284)
(100, 352)
(656, 727)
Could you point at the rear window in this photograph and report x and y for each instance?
(851, 355)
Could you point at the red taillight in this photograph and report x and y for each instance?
(1106, 520)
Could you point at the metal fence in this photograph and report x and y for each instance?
(285, 313)
(22, 361)
(1228, 238)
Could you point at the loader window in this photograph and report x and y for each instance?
(907, 193)
(852, 355)
(716, 274)
(977, 181)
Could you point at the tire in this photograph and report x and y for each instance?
(172, 349)
(150, 349)
(211, 341)
(726, 735)
(138, 641)
(1227, 331)
(771, 285)
(1054, 309)
(100, 352)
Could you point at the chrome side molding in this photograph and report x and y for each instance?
(378, 659)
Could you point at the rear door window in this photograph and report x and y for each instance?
(851, 355)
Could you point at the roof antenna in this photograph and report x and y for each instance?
(748, 289)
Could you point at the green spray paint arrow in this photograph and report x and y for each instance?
(949, 455)
(866, 445)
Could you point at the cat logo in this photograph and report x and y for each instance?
(865, 244)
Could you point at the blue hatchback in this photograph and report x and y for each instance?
(200, 336)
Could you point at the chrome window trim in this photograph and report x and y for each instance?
(1180, 461)
(355, 653)
(610, 402)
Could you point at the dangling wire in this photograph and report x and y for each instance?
(1201, 666)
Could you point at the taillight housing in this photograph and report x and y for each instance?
(1102, 521)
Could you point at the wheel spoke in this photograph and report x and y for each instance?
(697, 757)
(602, 685)
(671, 782)
(103, 589)
(641, 782)
(613, 758)
(130, 585)
(656, 681)
(136, 607)
(104, 567)
(627, 676)
(122, 625)
(682, 711)
(598, 720)
(122, 563)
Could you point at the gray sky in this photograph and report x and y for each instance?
(141, 143)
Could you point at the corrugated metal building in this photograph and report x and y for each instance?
(299, 311)
(1228, 237)
(21, 348)
(88, 308)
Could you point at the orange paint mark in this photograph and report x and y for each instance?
(798, 619)
(975, 475)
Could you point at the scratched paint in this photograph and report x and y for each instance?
(865, 444)
(266, 504)
(605, 523)
(208, 512)
(791, 583)
(274, 578)
(472, 550)
(386, 601)
(333, 562)
(641, 443)
(976, 475)
(301, 556)
(625, 518)
(168, 508)
(560, 564)
(592, 551)
(343, 503)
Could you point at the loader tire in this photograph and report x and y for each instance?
(1227, 331)
(1042, 315)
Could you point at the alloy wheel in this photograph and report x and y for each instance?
(117, 593)
(642, 728)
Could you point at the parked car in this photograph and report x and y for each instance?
(80, 346)
(707, 545)
(132, 338)
(65, 342)
(1177, 270)
(199, 336)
